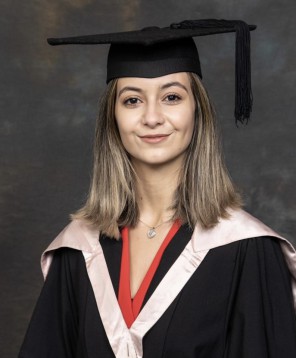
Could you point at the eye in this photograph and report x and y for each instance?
(172, 98)
(131, 102)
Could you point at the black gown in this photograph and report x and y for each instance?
(237, 304)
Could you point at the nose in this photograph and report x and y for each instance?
(152, 116)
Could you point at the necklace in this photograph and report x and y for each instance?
(151, 233)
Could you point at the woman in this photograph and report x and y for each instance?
(162, 261)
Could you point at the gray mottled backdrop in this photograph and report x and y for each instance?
(49, 100)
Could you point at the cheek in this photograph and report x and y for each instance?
(125, 119)
(187, 124)
(124, 133)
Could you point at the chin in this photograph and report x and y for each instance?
(159, 160)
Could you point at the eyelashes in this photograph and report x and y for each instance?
(132, 101)
(171, 98)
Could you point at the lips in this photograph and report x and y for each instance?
(154, 138)
(154, 135)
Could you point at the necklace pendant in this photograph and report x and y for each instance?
(151, 233)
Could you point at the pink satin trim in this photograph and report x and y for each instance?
(77, 235)
(128, 342)
(239, 226)
(290, 256)
(117, 332)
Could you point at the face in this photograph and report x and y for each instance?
(155, 117)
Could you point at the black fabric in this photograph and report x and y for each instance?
(238, 304)
(153, 34)
(160, 59)
(154, 52)
(112, 251)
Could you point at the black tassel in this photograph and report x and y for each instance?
(243, 91)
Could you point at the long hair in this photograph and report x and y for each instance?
(204, 191)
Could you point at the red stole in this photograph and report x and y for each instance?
(130, 308)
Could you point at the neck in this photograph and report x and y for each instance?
(156, 186)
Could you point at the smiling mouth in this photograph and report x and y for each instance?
(154, 138)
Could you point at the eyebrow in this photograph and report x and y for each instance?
(172, 84)
(165, 86)
(129, 88)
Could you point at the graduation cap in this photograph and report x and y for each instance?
(154, 52)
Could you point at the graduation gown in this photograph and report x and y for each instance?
(227, 292)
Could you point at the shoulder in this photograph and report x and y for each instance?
(261, 249)
(251, 235)
(65, 259)
(251, 244)
(78, 235)
(240, 225)
(67, 254)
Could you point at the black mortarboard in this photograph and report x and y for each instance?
(154, 52)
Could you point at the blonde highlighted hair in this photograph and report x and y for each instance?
(205, 189)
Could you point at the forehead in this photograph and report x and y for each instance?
(156, 82)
